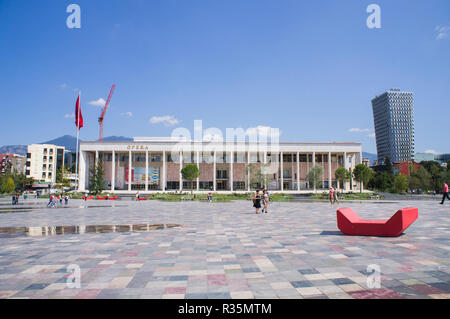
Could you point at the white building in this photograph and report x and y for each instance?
(43, 161)
(154, 164)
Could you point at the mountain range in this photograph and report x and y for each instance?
(70, 143)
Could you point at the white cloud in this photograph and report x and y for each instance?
(69, 116)
(358, 130)
(167, 120)
(100, 102)
(443, 32)
(129, 114)
(63, 86)
(431, 151)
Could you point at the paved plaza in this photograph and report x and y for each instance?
(218, 250)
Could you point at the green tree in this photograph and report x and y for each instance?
(400, 183)
(424, 177)
(61, 177)
(314, 176)
(362, 174)
(97, 178)
(388, 165)
(342, 175)
(9, 185)
(190, 172)
(259, 176)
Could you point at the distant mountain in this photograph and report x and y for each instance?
(14, 149)
(69, 142)
(372, 157)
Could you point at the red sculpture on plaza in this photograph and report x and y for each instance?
(351, 224)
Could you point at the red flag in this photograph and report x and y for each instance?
(78, 116)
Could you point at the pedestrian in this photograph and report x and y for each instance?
(336, 195)
(60, 199)
(331, 195)
(257, 201)
(66, 199)
(107, 196)
(50, 201)
(265, 201)
(445, 193)
(209, 197)
(137, 196)
(85, 196)
(13, 199)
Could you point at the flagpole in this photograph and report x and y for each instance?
(78, 133)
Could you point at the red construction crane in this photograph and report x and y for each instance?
(102, 116)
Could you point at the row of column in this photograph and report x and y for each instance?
(214, 170)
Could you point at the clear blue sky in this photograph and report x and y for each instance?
(309, 68)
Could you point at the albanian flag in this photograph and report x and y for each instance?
(78, 116)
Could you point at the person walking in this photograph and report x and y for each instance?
(85, 196)
(66, 199)
(265, 201)
(445, 193)
(257, 201)
(60, 199)
(331, 195)
(50, 201)
(336, 195)
(209, 197)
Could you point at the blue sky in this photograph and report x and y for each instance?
(309, 68)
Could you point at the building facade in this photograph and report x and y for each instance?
(154, 164)
(393, 113)
(12, 162)
(43, 162)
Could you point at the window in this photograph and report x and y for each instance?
(221, 175)
(156, 158)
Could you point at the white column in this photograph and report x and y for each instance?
(181, 167)
(113, 171)
(248, 173)
(231, 171)
(298, 171)
(265, 171)
(314, 164)
(214, 172)
(329, 170)
(346, 168)
(198, 165)
(164, 172)
(129, 170)
(82, 172)
(281, 172)
(146, 171)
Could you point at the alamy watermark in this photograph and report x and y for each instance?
(374, 19)
(74, 19)
(262, 143)
(374, 279)
(74, 279)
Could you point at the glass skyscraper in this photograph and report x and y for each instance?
(393, 114)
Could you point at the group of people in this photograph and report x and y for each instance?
(261, 200)
(52, 200)
(333, 195)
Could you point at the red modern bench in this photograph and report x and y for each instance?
(351, 224)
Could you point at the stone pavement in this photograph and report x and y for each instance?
(221, 250)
